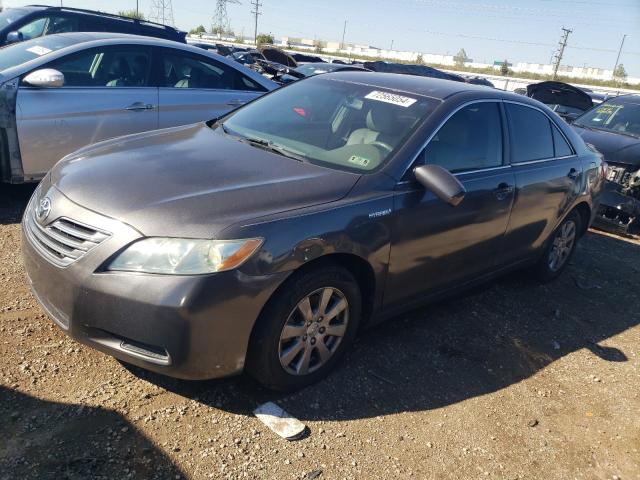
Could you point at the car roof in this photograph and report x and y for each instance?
(430, 87)
(104, 15)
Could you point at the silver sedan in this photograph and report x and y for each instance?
(61, 92)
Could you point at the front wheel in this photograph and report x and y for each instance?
(560, 248)
(305, 329)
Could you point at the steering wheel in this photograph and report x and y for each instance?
(382, 145)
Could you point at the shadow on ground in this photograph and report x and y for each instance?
(84, 443)
(13, 201)
(464, 347)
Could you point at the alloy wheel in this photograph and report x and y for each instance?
(562, 245)
(313, 331)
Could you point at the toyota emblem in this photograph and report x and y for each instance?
(44, 208)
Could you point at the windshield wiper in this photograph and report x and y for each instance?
(274, 147)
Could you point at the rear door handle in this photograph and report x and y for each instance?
(139, 106)
(573, 174)
(236, 103)
(503, 191)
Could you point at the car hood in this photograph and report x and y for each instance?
(615, 147)
(191, 181)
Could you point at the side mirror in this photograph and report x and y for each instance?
(571, 117)
(45, 78)
(441, 182)
(14, 37)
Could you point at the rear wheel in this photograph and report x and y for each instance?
(305, 329)
(560, 248)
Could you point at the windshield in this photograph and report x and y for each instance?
(333, 123)
(313, 69)
(10, 15)
(19, 53)
(614, 116)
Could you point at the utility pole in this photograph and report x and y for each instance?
(256, 12)
(619, 52)
(162, 12)
(344, 31)
(563, 45)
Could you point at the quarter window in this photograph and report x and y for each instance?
(531, 137)
(106, 67)
(182, 71)
(561, 147)
(470, 140)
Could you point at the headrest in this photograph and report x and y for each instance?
(380, 118)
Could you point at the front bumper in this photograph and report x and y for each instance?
(618, 213)
(191, 327)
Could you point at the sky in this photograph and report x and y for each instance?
(488, 30)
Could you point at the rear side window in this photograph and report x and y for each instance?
(470, 140)
(531, 137)
(561, 146)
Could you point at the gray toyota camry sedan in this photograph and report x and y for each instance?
(266, 239)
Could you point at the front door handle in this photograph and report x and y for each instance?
(573, 174)
(236, 103)
(139, 106)
(503, 191)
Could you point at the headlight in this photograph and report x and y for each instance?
(184, 256)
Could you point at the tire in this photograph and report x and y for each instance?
(559, 250)
(286, 359)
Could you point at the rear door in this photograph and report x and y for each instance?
(196, 88)
(435, 245)
(548, 177)
(106, 94)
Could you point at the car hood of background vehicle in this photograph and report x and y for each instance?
(192, 181)
(615, 147)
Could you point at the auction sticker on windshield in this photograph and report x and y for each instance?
(392, 98)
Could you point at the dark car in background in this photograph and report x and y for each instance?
(265, 240)
(613, 127)
(311, 69)
(33, 21)
(566, 100)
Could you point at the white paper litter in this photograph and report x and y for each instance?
(279, 421)
(38, 50)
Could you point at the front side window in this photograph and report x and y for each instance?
(614, 116)
(106, 67)
(49, 25)
(185, 71)
(343, 125)
(531, 137)
(470, 140)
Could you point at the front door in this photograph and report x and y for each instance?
(106, 94)
(436, 245)
(195, 88)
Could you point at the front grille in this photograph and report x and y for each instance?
(63, 241)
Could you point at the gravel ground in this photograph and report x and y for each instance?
(514, 380)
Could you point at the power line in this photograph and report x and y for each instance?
(221, 18)
(256, 12)
(162, 12)
(563, 45)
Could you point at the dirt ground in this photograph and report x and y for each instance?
(515, 380)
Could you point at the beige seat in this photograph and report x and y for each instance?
(381, 127)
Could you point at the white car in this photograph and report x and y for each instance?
(59, 93)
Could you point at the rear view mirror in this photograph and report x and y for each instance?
(441, 182)
(45, 78)
(14, 37)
